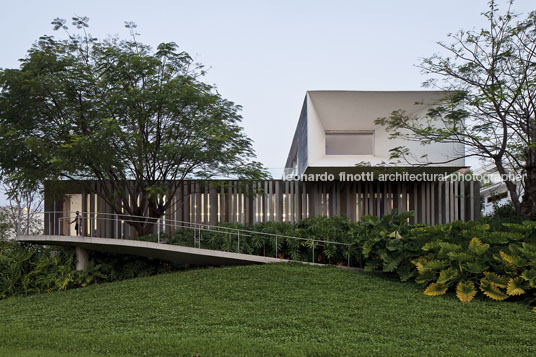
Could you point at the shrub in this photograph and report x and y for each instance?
(502, 214)
(469, 257)
(27, 269)
(385, 244)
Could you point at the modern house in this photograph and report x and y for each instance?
(494, 195)
(335, 137)
(336, 133)
(493, 191)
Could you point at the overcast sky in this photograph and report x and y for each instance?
(264, 55)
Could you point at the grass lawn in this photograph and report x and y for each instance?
(276, 309)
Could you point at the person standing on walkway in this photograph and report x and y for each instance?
(78, 223)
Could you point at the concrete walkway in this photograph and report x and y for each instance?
(174, 253)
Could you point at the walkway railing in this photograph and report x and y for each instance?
(165, 230)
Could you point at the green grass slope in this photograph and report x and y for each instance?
(279, 309)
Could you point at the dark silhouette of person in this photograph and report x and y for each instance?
(78, 223)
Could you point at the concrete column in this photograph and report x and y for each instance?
(433, 209)
(205, 203)
(232, 201)
(386, 198)
(298, 191)
(198, 204)
(81, 258)
(456, 199)
(297, 201)
(359, 212)
(291, 202)
(240, 203)
(304, 205)
(352, 201)
(186, 202)
(404, 197)
(213, 198)
(278, 202)
(462, 200)
(423, 200)
(378, 199)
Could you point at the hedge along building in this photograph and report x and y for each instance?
(338, 145)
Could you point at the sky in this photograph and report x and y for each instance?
(264, 55)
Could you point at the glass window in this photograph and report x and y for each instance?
(350, 143)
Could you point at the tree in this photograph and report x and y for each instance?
(489, 103)
(23, 214)
(4, 225)
(136, 121)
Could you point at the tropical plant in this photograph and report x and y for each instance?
(492, 262)
(386, 245)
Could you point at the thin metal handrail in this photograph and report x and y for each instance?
(197, 226)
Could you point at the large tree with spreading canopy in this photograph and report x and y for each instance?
(117, 112)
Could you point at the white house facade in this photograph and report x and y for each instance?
(336, 130)
(337, 135)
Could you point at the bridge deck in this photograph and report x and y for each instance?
(174, 253)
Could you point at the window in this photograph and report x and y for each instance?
(497, 197)
(349, 143)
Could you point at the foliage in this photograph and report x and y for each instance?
(488, 77)
(27, 270)
(384, 243)
(500, 215)
(312, 240)
(137, 121)
(476, 258)
(4, 225)
(22, 214)
(115, 267)
(16, 219)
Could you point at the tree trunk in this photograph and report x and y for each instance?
(145, 228)
(528, 205)
(147, 225)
